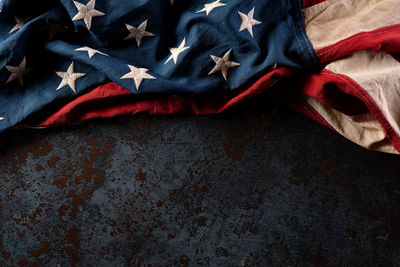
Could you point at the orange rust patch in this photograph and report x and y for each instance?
(98, 179)
(184, 260)
(141, 176)
(38, 147)
(61, 181)
(53, 161)
(23, 262)
(61, 211)
(91, 141)
(38, 212)
(72, 237)
(45, 249)
(39, 167)
(78, 200)
(42, 149)
(6, 255)
(88, 170)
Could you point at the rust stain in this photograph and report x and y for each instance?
(141, 176)
(53, 161)
(41, 149)
(60, 182)
(72, 238)
(38, 147)
(184, 260)
(45, 249)
(176, 195)
(61, 178)
(23, 262)
(88, 170)
(39, 167)
(98, 179)
(6, 255)
(78, 200)
(91, 141)
(38, 212)
(62, 209)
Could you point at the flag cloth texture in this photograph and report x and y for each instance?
(65, 61)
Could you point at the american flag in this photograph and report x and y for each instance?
(65, 61)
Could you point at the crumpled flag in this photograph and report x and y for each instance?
(335, 61)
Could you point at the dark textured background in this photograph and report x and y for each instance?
(257, 186)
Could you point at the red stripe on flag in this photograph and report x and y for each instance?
(333, 93)
(383, 39)
(308, 3)
(110, 100)
(348, 85)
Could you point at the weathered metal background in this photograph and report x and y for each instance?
(258, 186)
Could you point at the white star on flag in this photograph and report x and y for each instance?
(248, 22)
(91, 51)
(20, 23)
(138, 75)
(138, 33)
(87, 12)
(69, 77)
(223, 64)
(175, 52)
(209, 7)
(17, 72)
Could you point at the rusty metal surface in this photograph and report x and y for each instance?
(258, 186)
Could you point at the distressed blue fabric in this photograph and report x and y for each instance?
(48, 33)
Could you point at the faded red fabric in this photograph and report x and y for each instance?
(110, 100)
(308, 3)
(383, 39)
(314, 87)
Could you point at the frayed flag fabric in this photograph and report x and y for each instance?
(67, 61)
